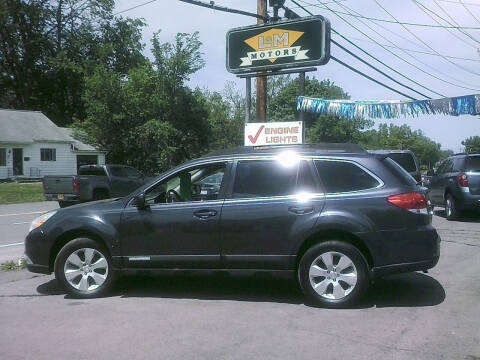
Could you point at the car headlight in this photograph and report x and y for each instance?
(41, 220)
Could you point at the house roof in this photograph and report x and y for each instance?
(19, 126)
(77, 144)
(22, 126)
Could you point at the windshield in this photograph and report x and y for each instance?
(405, 160)
(473, 163)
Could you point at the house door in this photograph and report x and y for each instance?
(17, 162)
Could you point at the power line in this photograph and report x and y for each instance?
(211, 5)
(427, 11)
(369, 77)
(134, 7)
(373, 67)
(381, 62)
(423, 42)
(388, 50)
(468, 10)
(394, 54)
(395, 22)
(414, 51)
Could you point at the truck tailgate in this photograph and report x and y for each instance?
(58, 184)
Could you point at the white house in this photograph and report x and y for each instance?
(31, 145)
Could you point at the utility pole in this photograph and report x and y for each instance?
(261, 81)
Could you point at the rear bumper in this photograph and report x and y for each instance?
(420, 265)
(403, 268)
(468, 201)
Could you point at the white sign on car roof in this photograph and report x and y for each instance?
(273, 133)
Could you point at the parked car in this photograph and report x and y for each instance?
(332, 219)
(93, 182)
(455, 185)
(406, 159)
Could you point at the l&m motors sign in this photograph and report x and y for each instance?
(273, 133)
(284, 44)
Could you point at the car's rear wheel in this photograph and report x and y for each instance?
(84, 269)
(333, 274)
(451, 211)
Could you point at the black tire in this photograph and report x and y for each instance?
(451, 210)
(100, 195)
(69, 249)
(338, 247)
(63, 204)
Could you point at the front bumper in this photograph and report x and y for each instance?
(36, 252)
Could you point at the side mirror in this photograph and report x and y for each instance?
(140, 201)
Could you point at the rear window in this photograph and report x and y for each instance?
(405, 160)
(96, 171)
(472, 163)
(265, 178)
(401, 174)
(343, 176)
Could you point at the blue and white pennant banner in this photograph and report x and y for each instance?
(375, 109)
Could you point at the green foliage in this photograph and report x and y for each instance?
(403, 137)
(472, 145)
(14, 265)
(14, 193)
(48, 47)
(147, 117)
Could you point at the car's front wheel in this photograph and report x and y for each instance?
(84, 269)
(333, 274)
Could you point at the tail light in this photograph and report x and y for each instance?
(413, 201)
(76, 185)
(44, 185)
(462, 180)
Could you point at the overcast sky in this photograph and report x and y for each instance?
(173, 16)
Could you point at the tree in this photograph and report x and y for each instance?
(472, 145)
(147, 117)
(323, 128)
(48, 47)
(403, 137)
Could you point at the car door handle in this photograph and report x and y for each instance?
(205, 214)
(301, 210)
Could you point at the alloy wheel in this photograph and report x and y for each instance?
(86, 269)
(333, 275)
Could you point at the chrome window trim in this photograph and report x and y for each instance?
(273, 198)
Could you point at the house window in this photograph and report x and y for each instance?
(3, 157)
(48, 154)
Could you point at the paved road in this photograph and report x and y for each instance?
(15, 220)
(410, 316)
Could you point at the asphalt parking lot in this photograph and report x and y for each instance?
(409, 316)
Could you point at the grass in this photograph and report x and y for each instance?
(14, 265)
(13, 193)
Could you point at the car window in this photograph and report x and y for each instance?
(446, 167)
(343, 176)
(472, 163)
(405, 160)
(457, 164)
(201, 183)
(94, 170)
(132, 173)
(266, 178)
(400, 172)
(117, 171)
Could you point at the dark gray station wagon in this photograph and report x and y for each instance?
(334, 216)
